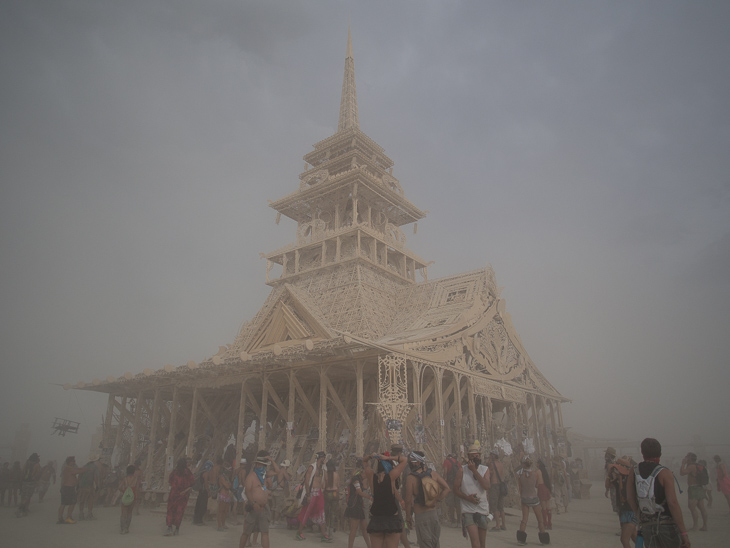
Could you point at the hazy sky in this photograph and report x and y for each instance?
(583, 149)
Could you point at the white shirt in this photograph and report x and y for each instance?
(470, 486)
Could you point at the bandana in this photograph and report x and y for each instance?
(208, 466)
(419, 458)
(387, 465)
(261, 474)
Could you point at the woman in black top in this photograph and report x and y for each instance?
(385, 523)
(355, 511)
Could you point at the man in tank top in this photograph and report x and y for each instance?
(471, 485)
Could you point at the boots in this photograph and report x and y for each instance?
(521, 538)
(549, 522)
(544, 538)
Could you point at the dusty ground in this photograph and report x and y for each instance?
(589, 523)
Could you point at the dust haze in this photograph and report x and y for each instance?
(580, 149)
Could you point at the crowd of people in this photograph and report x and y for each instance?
(386, 495)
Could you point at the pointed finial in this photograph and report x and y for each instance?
(348, 103)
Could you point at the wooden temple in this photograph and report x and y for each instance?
(353, 349)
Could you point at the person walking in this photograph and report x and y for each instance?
(528, 482)
(723, 480)
(650, 492)
(618, 475)
(314, 495)
(695, 490)
(472, 487)
(201, 503)
(130, 482)
(354, 510)
(29, 482)
(385, 525)
(423, 502)
(69, 479)
(181, 481)
(258, 514)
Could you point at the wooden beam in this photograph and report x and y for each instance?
(170, 450)
(360, 412)
(322, 445)
(153, 436)
(290, 416)
(338, 405)
(120, 428)
(241, 425)
(305, 401)
(192, 427)
(263, 424)
(135, 427)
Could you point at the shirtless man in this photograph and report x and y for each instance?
(239, 474)
(695, 491)
(257, 508)
(496, 499)
(69, 479)
(428, 527)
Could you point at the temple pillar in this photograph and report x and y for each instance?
(472, 410)
(153, 436)
(438, 377)
(360, 413)
(193, 422)
(322, 443)
(290, 417)
(135, 427)
(459, 418)
(170, 451)
(120, 429)
(263, 424)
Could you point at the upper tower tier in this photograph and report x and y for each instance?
(347, 194)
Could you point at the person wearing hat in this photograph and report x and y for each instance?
(29, 481)
(471, 485)
(258, 514)
(618, 474)
(428, 527)
(314, 495)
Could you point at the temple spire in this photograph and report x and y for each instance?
(348, 103)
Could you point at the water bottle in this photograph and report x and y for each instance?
(639, 540)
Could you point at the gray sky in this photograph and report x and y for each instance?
(583, 149)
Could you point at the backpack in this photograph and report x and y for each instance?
(429, 488)
(451, 474)
(703, 478)
(645, 491)
(128, 496)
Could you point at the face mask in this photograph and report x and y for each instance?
(261, 473)
(527, 464)
(477, 461)
(414, 466)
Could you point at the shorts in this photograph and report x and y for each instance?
(626, 517)
(531, 501)
(480, 520)
(224, 497)
(696, 492)
(428, 528)
(68, 495)
(256, 521)
(496, 499)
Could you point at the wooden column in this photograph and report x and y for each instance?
(120, 429)
(135, 427)
(472, 410)
(170, 451)
(438, 377)
(106, 439)
(360, 417)
(459, 418)
(241, 426)
(153, 436)
(264, 408)
(488, 423)
(322, 444)
(560, 414)
(190, 447)
(416, 373)
(291, 415)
